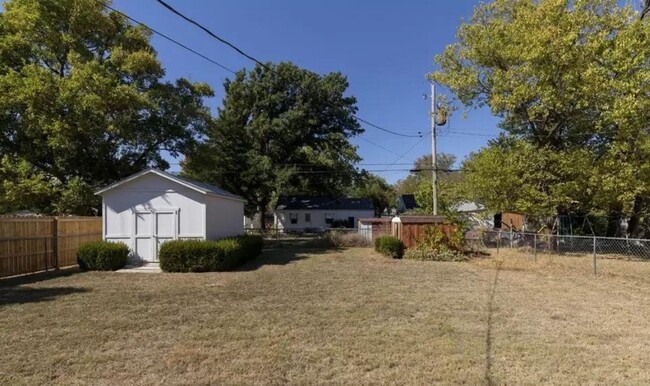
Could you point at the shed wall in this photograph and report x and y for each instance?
(148, 193)
(225, 218)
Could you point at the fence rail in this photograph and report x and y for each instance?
(30, 245)
(595, 249)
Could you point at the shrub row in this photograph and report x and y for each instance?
(389, 246)
(208, 256)
(102, 256)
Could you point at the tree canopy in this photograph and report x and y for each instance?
(569, 80)
(419, 183)
(281, 130)
(376, 188)
(83, 103)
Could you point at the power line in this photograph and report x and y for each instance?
(378, 145)
(451, 133)
(404, 155)
(212, 34)
(308, 164)
(169, 7)
(166, 37)
(419, 135)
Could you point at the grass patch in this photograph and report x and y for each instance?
(299, 315)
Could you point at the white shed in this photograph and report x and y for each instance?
(151, 207)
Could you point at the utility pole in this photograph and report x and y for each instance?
(434, 160)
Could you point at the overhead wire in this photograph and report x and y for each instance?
(189, 49)
(405, 153)
(224, 41)
(166, 37)
(240, 51)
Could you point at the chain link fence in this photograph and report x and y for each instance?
(279, 233)
(599, 255)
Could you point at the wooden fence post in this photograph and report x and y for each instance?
(55, 243)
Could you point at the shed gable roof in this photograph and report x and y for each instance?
(323, 203)
(201, 187)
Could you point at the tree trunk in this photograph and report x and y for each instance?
(264, 203)
(614, 218)
(635, 217)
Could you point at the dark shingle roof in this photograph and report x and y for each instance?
(323, 202)
(409, 201)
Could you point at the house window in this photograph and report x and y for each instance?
(293, 217)
(329, 218)
(307, 217)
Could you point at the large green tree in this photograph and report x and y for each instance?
(376, 188)
(422, 171)
(570, 78)
(419, 182)
(83, 101)
(281, 130)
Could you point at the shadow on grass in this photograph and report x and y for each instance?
(22, 295)
(283, 252)
(12, 292)
(37, 277)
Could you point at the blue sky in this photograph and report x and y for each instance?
(385, 48)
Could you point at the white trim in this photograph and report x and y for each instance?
(169, 177)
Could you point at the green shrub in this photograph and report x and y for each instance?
(389, 246)
(434, 238)
(208, 256)
(102, 256)
(437, 245)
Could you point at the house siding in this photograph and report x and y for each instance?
(282, 217)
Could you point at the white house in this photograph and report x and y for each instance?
(151, 207)
(295, 213)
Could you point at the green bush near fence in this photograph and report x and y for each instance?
(390, 246)
(436, 245)
(102, 256)
(208, 256)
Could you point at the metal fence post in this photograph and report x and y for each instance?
(511, 237)
(535, 246)
(498, 241)
(594, 258)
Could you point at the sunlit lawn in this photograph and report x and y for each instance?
(303, 316)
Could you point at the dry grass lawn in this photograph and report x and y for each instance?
(305, 316)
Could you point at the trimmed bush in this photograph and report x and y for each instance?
(102, 256)
(389, 246)
(208, 256)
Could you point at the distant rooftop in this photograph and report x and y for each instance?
(323, 203)
(409, 201)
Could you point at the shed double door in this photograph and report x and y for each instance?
(151, 229)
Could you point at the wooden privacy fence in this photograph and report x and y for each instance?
(411, 229)
(29, 245)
